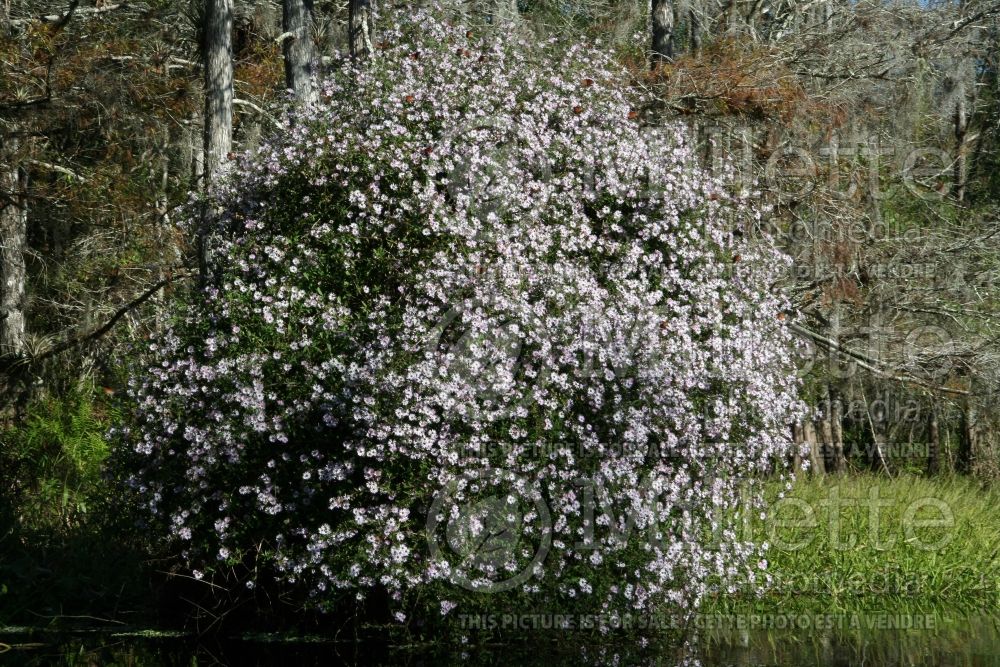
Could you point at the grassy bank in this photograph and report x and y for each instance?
(871, 543)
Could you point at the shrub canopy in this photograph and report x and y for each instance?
(473, 328)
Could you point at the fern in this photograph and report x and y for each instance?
(57, 455)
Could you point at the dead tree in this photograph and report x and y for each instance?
(966, 456)
(360, 28)
(302, 62)
(663, 18)
(13, 247)
(218, 59)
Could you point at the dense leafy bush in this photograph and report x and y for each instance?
(458, 305)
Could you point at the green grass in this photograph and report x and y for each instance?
(871, 543)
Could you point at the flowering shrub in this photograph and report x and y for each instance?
(473, 329)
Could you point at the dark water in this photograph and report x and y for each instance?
(873, 640)
(876, 640)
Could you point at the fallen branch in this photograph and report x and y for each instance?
(182, 62)
(62, 19)
(119, 314)
(871, 364)
(74, 341)
(59, 169)
(247, 103)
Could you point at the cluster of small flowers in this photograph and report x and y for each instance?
(470, 268)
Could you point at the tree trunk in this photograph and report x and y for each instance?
(832, 434)
(826, 440)
(360, 28)
(815, 455)
(961, 130)
(836, 410)
(966, 458)
(933, 443)
(218, 55)
(876, 454)
(218, 85)
(663, 15)
(694, 31)
(732, 17)
(302, 61)
(504, 12)
(13, 246)
(797, 440)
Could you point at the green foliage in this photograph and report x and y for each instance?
(55, 455)
(65, 542)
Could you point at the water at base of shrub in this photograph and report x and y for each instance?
(826, 640)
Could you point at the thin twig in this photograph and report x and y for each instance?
(188, 576)
(81, 616)
(878, 448)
